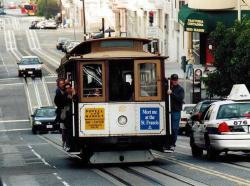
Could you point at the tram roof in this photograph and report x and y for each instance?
(79, 49)
(91, 50)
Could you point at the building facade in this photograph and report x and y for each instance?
(199, 18)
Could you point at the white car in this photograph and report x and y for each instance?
(30, 66)
(72, 45)
(50, 24)
(185, 115)
(225, 126)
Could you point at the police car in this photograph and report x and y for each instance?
(225, 125)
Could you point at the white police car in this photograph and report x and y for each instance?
(225, 125)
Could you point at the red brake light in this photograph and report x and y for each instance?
(183, 119)
(223, 127)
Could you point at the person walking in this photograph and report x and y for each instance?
(189, 66)
(176, 93)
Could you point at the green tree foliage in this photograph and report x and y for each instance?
(48, 8)
(232, 58)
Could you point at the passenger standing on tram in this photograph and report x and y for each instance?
(67, 116)
(176, 93)
(59, 101)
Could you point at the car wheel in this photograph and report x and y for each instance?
(196, 151)
(212, 153)
(187, 130)
(34, 131)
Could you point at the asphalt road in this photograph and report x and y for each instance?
(34, 160)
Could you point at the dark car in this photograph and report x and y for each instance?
(2, 12)
(33, 25)
(60, 42)
(195, 114)
(43, 119)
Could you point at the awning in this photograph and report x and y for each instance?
(194, 20)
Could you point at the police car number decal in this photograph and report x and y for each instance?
(240, 122)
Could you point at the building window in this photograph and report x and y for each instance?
(181, 3)
(196, 46)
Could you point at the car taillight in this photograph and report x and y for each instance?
(223, 127)
(183, 119)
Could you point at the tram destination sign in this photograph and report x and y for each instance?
(149, 118)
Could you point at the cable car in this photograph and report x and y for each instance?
(119, 113)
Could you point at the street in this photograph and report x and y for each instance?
(34, 160)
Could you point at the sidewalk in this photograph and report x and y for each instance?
(172, 67)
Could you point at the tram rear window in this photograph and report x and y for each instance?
(92, 80)
(128, 44)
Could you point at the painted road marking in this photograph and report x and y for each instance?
(238, 180)
(14, 121)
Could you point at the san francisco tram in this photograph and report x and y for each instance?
(119, 113)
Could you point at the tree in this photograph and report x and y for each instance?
(231, 50)
(48, 8)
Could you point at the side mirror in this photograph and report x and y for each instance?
(32, 115)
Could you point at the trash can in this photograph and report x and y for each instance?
(183, 63)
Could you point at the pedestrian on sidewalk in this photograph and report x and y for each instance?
(189, 66)
(176, 93)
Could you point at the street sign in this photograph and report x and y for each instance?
(153, 32)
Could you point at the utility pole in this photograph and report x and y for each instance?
(239, 10)
(84, 20)
(46, 8)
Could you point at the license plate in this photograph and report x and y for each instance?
(30, 72)
(49, 126)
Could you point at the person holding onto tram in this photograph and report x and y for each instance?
(59, 101)
(176, 93)
(66, 116)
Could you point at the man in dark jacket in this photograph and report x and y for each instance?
(60, 98)
(177, 95)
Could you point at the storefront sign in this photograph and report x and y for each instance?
(149, 118)
(195, 25)
(94, 118)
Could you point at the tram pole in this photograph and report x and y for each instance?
(84, 20)
(169, 108)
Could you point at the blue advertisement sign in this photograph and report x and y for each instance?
(149, 118)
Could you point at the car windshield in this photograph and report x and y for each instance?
(234, 110)
(30, 61)
(45, 113)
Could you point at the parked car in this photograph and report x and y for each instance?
(60, 42)
(2, 12)
(66, 44)
(33, 25)
(224, 126)
(30, 66)
(195, 114)
(72, 45)
(185, 115)
(41, 24)
(43, 119)
(50, 24)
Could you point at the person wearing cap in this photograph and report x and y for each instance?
(176, 93)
